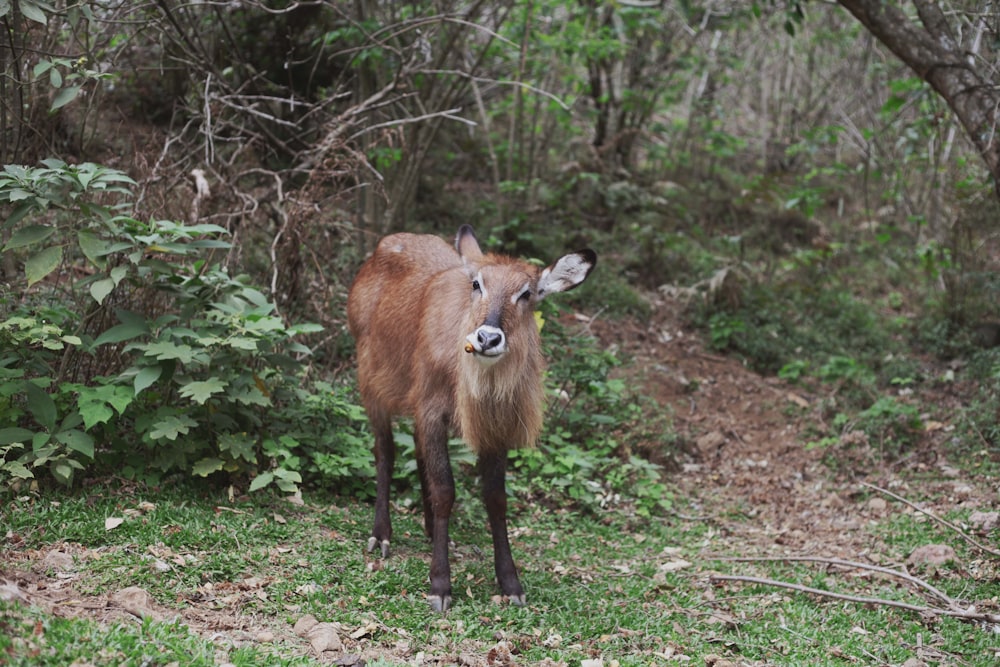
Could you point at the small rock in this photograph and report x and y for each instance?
(877, 505)
(710, 444)
(137, 602)
(914, 662)
(264, 637)
(10, 592)
(984, 522)
(933, 555)
(304, 625)
(59, 561)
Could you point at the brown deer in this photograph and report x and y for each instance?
(450, 338)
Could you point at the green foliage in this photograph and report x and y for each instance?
(584, 456)
(196, 380)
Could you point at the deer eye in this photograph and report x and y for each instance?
(475, 286)
(525, 295)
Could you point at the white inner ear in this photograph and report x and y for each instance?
(569, 271)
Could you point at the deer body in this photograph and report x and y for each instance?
(448, 336)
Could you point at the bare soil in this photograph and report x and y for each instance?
(743, 468)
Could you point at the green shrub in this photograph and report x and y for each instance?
(193, 371)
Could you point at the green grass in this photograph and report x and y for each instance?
(598, 585)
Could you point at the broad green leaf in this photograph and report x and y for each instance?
(132, 325)
(206, 467)
(94, 412)
(41, 406)
(171, 427)
(42, 66)
(146, 377)
(202, 390)
(93, 247)
(166, 350)
(78, 441)
(261, 480)
(95, 403)
(100, 289)
(17, 194)
(55, 77)
(19, 213)
(16, 469)
(32, 11)
(65, 96)
(118, 273)
(41, 448)
(72, 340)
(62, 470)
(241, 343)
(238, 446)
(29, 235)
(14, 434)
(42, 264)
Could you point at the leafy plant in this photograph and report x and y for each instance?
(197, 364)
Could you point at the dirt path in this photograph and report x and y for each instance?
(745, 452)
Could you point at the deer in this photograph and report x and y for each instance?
(448, 336)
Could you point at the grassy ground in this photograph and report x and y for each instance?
(229, 581)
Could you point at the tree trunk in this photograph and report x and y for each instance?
(930, 49)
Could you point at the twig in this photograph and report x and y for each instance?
(850, 564)
(943, 522)
(963, 614)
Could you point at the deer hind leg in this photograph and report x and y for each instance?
(385, 457)
(438, 489)
(493, 469)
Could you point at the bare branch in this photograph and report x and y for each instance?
(853, 565)
(970, 614)
(943, 522)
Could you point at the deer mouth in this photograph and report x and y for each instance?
(486, 343)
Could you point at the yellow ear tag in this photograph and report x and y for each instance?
(539, 319)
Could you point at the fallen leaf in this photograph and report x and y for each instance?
(113, 522)
(798, 400)
(280, 519)
(324, 637)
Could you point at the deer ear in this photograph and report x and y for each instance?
(467, 245)
(568, 272)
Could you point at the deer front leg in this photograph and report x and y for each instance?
(493, 469)
(439, 494)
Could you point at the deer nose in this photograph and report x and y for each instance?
(489, 339)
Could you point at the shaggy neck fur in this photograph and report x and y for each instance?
(500, 407)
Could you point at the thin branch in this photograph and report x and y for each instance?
(943, 522)
(853, 565)
(503, 82)
(449, 114)
(970, 614)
